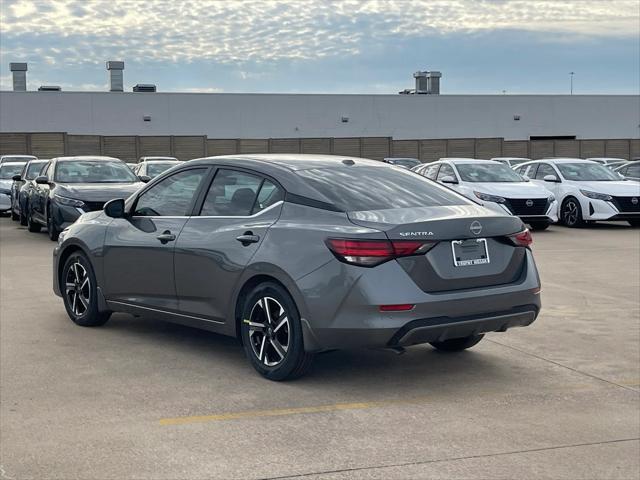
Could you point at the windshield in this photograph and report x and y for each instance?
(405, 162)
(7, 171)
(487, 172)
(590, 172)
(155, 169)
(93, 171)
(353, 189)
(34, 169)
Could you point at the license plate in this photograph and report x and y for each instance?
(470, 252)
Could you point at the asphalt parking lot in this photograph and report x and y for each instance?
(144, 399)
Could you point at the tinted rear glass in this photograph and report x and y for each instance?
(353, 189)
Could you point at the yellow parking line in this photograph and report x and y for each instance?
(283, 411)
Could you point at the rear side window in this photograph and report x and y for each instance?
(238, 194)
(544, 170)
(363, 188)
(432, 171)
(445, 171)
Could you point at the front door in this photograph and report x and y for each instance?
(215, 246)
(138, 250)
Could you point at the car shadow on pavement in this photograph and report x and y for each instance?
(361, 371)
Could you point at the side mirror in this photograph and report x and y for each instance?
(551, 178)
(144, 178)
(114, 208)
(42, 180)
(17, 178)
(449, 179)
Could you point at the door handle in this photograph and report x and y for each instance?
(248, 238)
(166, 236)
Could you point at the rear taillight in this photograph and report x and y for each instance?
(522, 239)
(369, 253)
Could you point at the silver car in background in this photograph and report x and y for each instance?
(298, 254)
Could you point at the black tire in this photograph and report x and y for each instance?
(81, 300)
(261, 343)
(14, 216)
(32, 225)
(52, 230)
(634, 223)
(571, 213)
(457, 344)
(538, 226)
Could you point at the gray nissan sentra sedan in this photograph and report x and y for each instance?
(296, 254)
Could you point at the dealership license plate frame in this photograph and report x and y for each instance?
(479, 255)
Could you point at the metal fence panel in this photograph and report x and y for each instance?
(188, 147)
(254, 145)
(432, 150)
(47, 145)
(13, 144)
(222, 147)
(376, 148)
(316, 145)
(347, 146)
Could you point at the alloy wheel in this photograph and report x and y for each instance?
(78, 289)
(269, 331)
(570, 213)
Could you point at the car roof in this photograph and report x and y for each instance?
(157, 157)
(161, 161)
(616, 159)
(462, 161)
(401, 158)
(17, 155)
(87, 157)
(563, 160)
(510, 158)
(13, 163)
(290, 161)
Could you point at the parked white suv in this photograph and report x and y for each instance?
(609, 162)
(496, 186)
(586, 190)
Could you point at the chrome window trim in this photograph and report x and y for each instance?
(270, 207)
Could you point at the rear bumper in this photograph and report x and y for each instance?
(355, 319)
(444, 328)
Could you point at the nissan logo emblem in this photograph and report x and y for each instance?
(634, 200)
(476, 227)
(529, 203)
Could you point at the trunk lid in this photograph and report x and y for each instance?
(436, 271)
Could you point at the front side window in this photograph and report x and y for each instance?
(487, 172)
(173, 196)
(237, 194)
(362, 188)
(93, 171)
(587, 172)
(445, 171)
(432, 171)
(34, 169)
(544, 170)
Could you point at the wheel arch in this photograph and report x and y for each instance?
(255, 276)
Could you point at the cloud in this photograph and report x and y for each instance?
(253, 32)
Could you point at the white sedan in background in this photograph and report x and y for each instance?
(496, 186)
(586, 191)
(511, 161)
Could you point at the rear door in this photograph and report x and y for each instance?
(216, 245)
(138, 250)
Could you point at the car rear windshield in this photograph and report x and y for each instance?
(587, 172)
(93, 171)
(155, 169)
(7, 171)
(362, 188)
(487, 172)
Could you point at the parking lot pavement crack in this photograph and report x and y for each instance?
(450, 459)
(558, 364)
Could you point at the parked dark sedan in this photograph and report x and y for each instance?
(71, 186)
(297, 254)
(22, 186)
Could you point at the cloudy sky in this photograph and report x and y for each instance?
(315, 46)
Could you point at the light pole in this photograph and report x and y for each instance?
(572, 74)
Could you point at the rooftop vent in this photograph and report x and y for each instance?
(49, 88)
(427, 83)
(19, 76)
(115, 75)
(144, 87)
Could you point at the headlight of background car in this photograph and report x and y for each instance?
(489, 198)
(71, 202)
(596, 195)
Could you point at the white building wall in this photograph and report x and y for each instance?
(295, 115)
